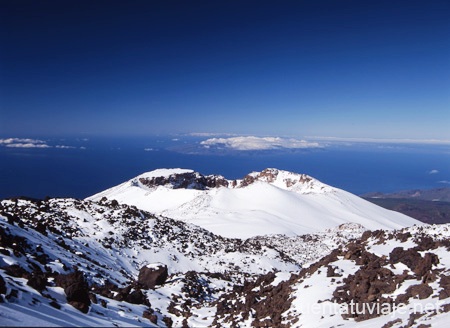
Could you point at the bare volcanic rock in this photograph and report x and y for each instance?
(2, 286)
(152, 275)
(189, 180)
(76, 289)
(412, 258)
(38, 281)
(444, 283)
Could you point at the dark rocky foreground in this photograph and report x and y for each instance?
(97, 259)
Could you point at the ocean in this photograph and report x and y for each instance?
(80, 167)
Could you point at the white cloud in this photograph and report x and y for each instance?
(23, 143)
(444, 181)
(64, 147)
(257, 143)
(433, 172)
(29, 143)
(10, 141)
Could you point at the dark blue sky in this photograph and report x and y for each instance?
(375, 69)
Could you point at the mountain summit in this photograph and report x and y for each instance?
(188, 179)
(261, 203)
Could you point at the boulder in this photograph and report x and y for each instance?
(152, 275)
(136, 297)
(16, 270)
(410, 257)
(2, 286)
(422, 291)
(38, 281)
(425, 265)
(444, 283)
(76, 289)
(150, 315)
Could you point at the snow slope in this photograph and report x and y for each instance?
(262, 203)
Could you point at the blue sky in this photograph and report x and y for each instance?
(349, 69)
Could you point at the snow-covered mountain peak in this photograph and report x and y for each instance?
(262, 203)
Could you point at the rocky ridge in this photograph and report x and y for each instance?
(188, 179)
